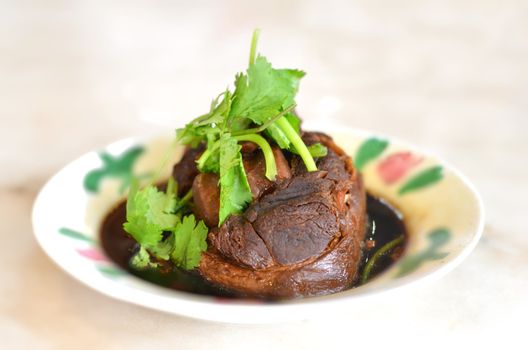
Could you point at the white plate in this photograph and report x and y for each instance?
(444, 218)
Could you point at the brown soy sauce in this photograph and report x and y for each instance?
(385, 224)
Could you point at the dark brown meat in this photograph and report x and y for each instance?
(206, 198)
(242, 244)
(299, 220)
(255, 167)
(248, 147)
(185, 170)
(303, 237)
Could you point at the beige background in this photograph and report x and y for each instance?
(451, 76)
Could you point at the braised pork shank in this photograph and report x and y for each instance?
(302, 234)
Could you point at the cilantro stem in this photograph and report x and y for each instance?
(266, 124)
(200, 162)
(183, 201)
(297, 142)
(382, 251)
(253, 51)
(172, 186)
(203, 158)
(271, 166)
(187, 197)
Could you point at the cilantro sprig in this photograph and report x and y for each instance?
(155, 220)
(260, 110)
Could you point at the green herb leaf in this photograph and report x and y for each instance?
(190, 135)
(263, 96)
(293, 77)
(142, 261)
(148, 216)
(208, 126)
(154, 221)
(264, 91)
(189, 243)
(235, 193)
(317, 150)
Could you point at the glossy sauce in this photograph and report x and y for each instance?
(384, 224)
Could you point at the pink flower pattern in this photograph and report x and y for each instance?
(395, 166)
(92, 254)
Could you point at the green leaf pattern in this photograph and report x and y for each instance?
(437, 238)
(368, 151)
(74, 234)
(426, 177)
(373, 147)
(119, 167)
(109, 271)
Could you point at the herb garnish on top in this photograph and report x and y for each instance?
(260, 110)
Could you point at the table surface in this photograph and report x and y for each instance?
(450, 76)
